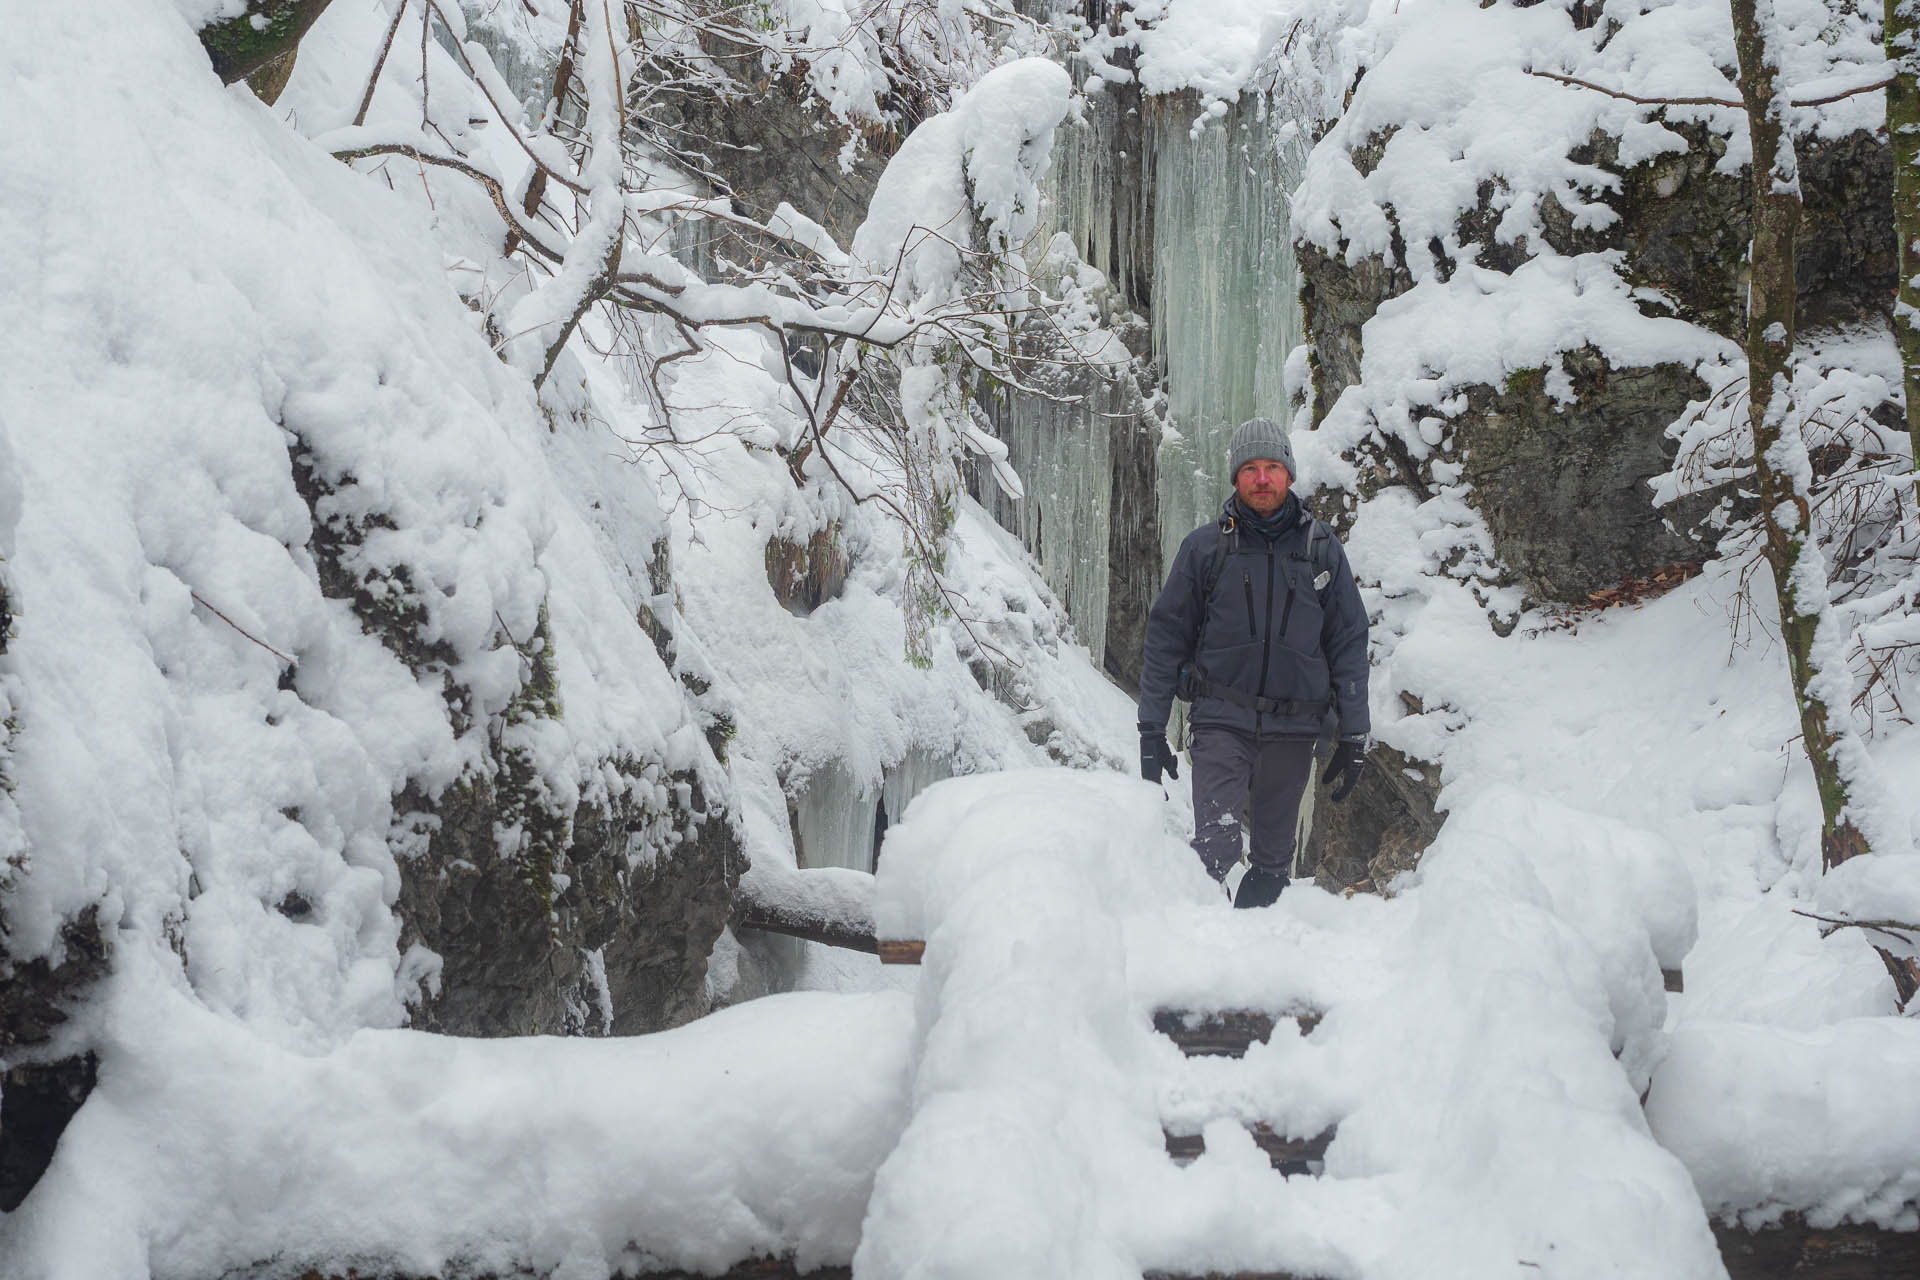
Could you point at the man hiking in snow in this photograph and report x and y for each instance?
(1260, 625)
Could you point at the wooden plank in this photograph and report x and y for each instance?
(901, 951)
(1280, 1150)
(1814, 1253)
(1226, 1033)
(1675, 981)
(757, 1269)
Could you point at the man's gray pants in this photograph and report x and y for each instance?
(1262, 779)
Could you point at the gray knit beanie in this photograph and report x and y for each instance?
(1260, 438)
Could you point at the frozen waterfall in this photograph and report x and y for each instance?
(839, 824)
(1091, 240)
(1060, 451)
(1226, 306)
(1185, 213)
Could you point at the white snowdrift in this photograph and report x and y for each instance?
(1825, 1122)
(755, 1131)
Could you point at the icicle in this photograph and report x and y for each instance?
(839, 824)
(918, 771)
(1060, 449)
(836, 821)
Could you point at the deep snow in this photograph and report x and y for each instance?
(1611, 791)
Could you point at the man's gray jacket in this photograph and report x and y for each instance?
(1268, 630)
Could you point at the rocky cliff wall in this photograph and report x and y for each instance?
(1514, 288)
(1560, 473)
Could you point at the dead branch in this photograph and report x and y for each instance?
(1732, 103)
(1900, 930)
(537, 185)
(242, 630)
(379, 64)
(485, 179)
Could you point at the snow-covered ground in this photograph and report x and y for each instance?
(195, 279)
(1655, 729)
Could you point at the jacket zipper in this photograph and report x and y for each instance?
(1246, 581)
(1286, 614)
(1266, 644)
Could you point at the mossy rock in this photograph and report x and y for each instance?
(269, 29)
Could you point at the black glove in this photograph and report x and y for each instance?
(1156, 755)
(1349, 758)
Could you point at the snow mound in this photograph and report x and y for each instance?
(753, 1132)
(1824, 1122)
(1467, 1053)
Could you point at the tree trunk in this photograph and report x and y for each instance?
(241, 46)
(1782, 467)
(1903, 129)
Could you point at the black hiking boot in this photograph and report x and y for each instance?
(1259, 888)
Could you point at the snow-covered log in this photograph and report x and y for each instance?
(831, 905)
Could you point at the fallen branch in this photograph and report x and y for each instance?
(242, 630)
(830, 905)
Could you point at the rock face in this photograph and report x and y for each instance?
(603, 941)
(1562, 486)
(36, 1105)
(548, 917)
(1378, 831)
(38, 1099)
(770, 142)
(268, 30)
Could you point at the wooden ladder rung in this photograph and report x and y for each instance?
(1280, 1150)
(1849, 1252)
(1227, 1033)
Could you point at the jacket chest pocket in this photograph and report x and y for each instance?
(1302, 611)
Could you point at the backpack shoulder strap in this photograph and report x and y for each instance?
(1223, 551)
(1317, 539)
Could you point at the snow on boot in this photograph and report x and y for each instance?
(1259, 887)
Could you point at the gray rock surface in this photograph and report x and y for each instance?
(1378, 831)
(591, 920)
(769, 140)
(1563, 487)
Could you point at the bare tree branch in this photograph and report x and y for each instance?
(1901, 930)
(380, 63)
(485, 179)
(1731, 103)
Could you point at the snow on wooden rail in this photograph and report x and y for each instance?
(831, 905)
